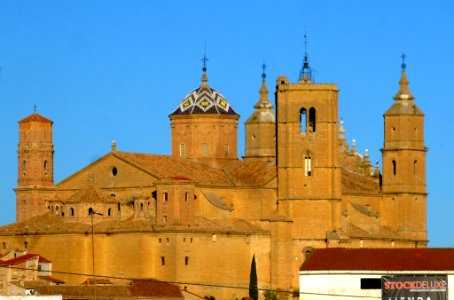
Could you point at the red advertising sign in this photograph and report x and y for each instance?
(420, 287)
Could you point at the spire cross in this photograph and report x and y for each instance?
(34, 108)
(263, 74)
(403, 56)
(305, 42)
(204, 60)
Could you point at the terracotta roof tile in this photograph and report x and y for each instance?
(90, 194)
(149, 288)
(23, 258)
(166, 167)
(51, 279)
(356, 183)
(155, 288)
(251, 172)
(397, 259)
(35, 117)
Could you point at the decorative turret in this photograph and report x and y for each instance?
(204, 126)
(404, 163)
(260, 127)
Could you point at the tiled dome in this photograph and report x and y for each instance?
(204, 100)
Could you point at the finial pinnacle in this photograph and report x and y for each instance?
(403, 65)
(204, 69)
(306, 71)
(204, 60)
(34, 108)
(263, 73)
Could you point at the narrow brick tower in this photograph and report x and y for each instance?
(404, 165)
(35, 166)
(308, 172)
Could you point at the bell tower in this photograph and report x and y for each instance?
(35, 166)
(404, 164)
(309, 175)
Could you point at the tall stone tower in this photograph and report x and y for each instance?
(35, 166)
(309, 178)
(404, 165)
(261, 127)
(308, 172)
(204, 127)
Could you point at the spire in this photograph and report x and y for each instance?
(204, 69)
(263, 102)
(404, 92)
(306, 71)
(343, 145)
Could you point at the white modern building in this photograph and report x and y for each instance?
(340, 273)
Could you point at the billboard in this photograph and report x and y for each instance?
(418, 287)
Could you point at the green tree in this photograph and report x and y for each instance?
(253, 286)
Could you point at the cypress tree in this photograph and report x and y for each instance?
(253, 286)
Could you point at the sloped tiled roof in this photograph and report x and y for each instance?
(23, 258)
(166, 167)
(356, 183)
(35, 117)
(251, 173)
(143, 288)
(90, 194)
(45, 224)
(367, 259)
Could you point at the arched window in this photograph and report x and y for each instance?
(24, 167)
(312, 119)
(394, 167)
(45, 167)
(307, 164)
(109, 212)
(71, 212)
(303, 119)
(415, 163)
(141, 206)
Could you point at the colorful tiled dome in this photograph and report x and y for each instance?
(204, 100)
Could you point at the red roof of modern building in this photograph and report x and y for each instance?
(393, 259)
(23, 258)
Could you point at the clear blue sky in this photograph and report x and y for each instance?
(114, 70)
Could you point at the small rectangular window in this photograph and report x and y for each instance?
(226, 150)
(163, 260)
(165, 197)
(204, 150)
(186, 260)
(182, 150)
(370, 283)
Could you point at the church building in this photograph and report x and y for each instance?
(198, 216)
